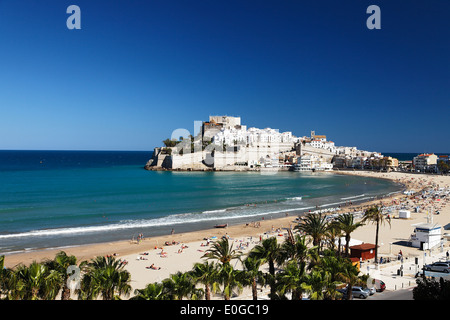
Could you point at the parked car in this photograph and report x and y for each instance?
(344, 293)
(380, 285)
(357, 292)
(438, 266)
(371, 290)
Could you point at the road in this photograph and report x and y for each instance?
(404, 294)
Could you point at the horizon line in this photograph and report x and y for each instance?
(150, 150)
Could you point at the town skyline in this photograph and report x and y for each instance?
(225, 143)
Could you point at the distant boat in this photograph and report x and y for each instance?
(221, 225)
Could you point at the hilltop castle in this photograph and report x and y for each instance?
(223, 143)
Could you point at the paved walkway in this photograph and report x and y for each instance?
(389, 272)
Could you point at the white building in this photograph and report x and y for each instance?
(317, 143)
(254, 137)
(320, 142)
(304, 163)
(426, 236)
(358, 162)
(227, 122)
(425, 162)
(235, 145)
(312, 163)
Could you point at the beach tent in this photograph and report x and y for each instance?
(404, 214)
(353, 242)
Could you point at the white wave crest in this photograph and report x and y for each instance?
(215, 211)
(294, 198)
(354, 197)
(170, 220)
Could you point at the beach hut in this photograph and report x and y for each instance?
(426, 236)
(404, 214)
(363, 251)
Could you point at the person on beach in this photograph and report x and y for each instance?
(153, 267)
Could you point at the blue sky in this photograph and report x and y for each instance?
(139, 69)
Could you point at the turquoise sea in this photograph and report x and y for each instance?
(63, 198)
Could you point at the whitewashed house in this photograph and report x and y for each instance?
(426, 236)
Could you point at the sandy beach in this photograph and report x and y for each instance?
(392, 237)
(189, 247)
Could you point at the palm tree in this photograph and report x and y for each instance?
(3, 277)
(268, 251)
(314, 225)
(293, 279)
(252, 274)
(106, 277)
(347, 225)
(180, 285)
(298, 250)
(153, 291)
(11, 287)
(61, 264)
(37, 282)
(334, 232)
(206, 274)
(231, 280)
(375, 215)
(317, 283)
(222, 251)
(349, 274)
(330, 264)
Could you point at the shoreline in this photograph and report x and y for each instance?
(273, 212)
(391, 240)
(127, 247)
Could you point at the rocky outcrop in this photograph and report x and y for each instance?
(160, 160)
